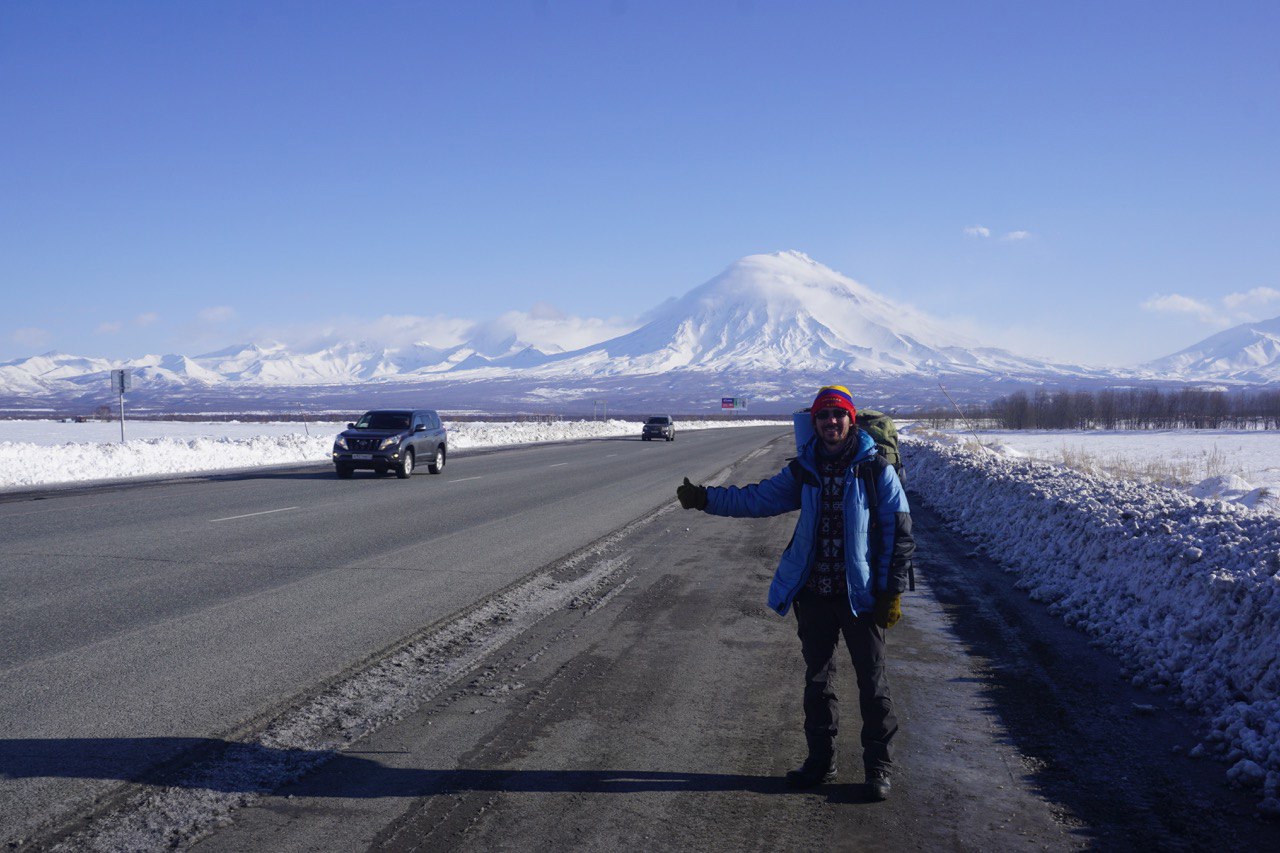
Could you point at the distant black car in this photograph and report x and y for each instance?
(660, 426)
(392, 440)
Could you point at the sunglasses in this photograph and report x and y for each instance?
(828, 414)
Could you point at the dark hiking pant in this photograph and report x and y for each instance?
(820, 622)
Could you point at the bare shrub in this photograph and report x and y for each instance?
(1177, 470)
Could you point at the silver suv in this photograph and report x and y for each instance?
(660, 426)
(392, 440)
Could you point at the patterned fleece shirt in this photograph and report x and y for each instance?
(827, 578)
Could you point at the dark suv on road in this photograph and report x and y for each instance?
(660, 426)
(392, 440)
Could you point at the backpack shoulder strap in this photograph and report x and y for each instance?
(802, 474)
(869, 471)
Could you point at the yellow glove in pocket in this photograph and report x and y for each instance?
(888, 610)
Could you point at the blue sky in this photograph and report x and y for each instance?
(1093, 181)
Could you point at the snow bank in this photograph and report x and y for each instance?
(23, 464)
(36, 458)
(1183, 590)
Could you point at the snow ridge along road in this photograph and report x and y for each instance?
(1184, 591)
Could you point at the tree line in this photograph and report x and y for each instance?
(1125, 408)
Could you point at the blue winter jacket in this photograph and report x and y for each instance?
(798, 487)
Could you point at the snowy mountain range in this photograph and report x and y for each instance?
(1247, 353)
(770, 328)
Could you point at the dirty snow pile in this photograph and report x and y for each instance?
(1184, 590)
(34, 453)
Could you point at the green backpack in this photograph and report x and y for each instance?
(878, 425)
(884, 432)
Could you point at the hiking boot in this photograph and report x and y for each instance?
(814, 772)
(878, 786)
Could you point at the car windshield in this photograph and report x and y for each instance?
(383, 420)
(663, 421)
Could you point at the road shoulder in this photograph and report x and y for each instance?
(661, 711)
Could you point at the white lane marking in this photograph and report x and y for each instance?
(252, 514)
(557, 465)
(464, 479)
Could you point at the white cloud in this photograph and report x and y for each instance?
(1175, 303)
(543, 326)
(30, 337)
(403, 330)
(213, 327)
(985, 232)
(115, 327)
(549, 329)
(387, 331)
(1233, 309)
(1258, 297)
(217, 314)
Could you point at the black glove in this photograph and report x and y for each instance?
(691, 496)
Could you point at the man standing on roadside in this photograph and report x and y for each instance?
(845, 571)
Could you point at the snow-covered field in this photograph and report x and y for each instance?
(1180, 581)
(1230, 464)
(34, 453)
(1183, 589)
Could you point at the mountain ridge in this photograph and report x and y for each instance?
(765, 324)
(1249, 352)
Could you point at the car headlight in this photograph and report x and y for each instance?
(339, 443)
(389, 442)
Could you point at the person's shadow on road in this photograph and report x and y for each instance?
(225, 766)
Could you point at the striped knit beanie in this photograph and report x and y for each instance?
(833, 397)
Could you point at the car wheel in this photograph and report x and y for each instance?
(671, 437)
(644, 438)
(406, 467)
(436, 465)
(344, 471)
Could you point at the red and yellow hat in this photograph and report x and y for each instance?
(833, 397)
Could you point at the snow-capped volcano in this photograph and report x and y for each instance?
(787, 312)
(1245, 353)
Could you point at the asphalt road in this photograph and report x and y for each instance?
(662, 712)
(137, 620)
(657, 708)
